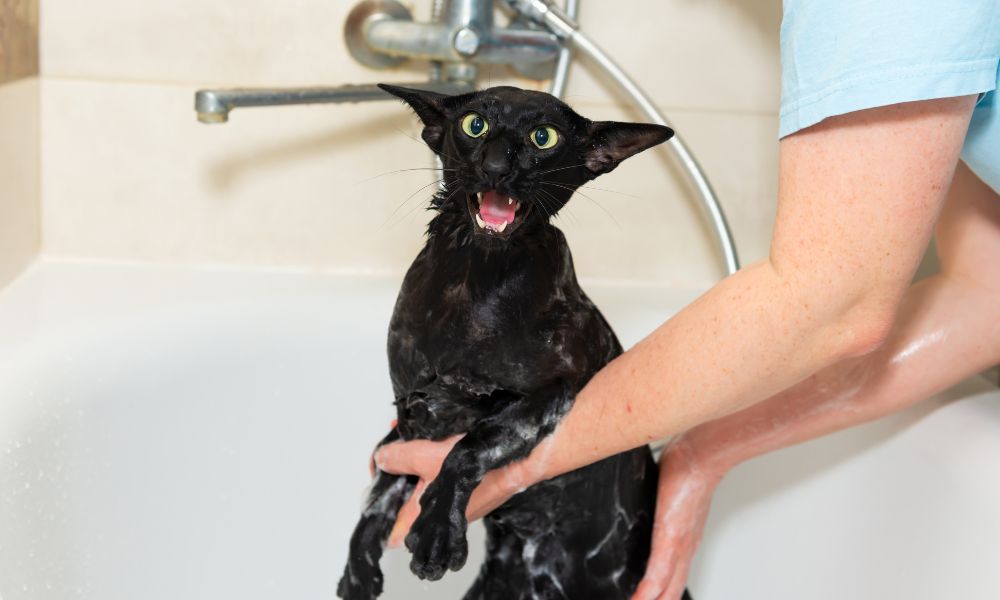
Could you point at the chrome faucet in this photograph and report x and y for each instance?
(382, 34)
(538, 43)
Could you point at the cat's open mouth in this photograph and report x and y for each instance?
(496, 213)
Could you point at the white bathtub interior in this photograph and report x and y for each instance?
(175, 432)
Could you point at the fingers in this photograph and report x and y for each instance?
(647, 590)
(677, 583)
(496, 488)
(684, 495)
(670, 556)
(665, 551)
(407, 515)
(417, 457)
(666, 584)
(371, 459)
(659, 569)
(424, 458)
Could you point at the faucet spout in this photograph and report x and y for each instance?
(214, 106)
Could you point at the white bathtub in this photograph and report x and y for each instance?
(180, 433)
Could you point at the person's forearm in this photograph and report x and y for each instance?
(857, 202)
(947, 330)
(705, 362)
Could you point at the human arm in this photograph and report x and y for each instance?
(858, 197)
(947, 328)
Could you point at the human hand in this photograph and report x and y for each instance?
(683, 498)
(424, 458)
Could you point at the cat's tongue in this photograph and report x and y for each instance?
(497, 209)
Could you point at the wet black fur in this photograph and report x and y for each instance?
(492, 335)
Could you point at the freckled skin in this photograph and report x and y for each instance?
(492, 336)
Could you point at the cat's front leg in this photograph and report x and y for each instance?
(362, 579)
(437, 538)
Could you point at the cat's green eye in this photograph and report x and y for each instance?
(474, 125)
(544, 137)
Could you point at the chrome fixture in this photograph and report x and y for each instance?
(565, 26)
(466, 32)
(538, 43)
(213, 106)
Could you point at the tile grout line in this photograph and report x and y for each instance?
(609, 103)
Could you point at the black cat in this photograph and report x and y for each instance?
(492, 335)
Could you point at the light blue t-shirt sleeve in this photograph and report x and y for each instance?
(840, 56)
(982, 144)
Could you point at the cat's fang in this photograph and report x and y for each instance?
(480, 222)
(502, 227)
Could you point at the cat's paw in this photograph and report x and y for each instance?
(361, 581)
(437, 541)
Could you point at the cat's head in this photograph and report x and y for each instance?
(515, 156)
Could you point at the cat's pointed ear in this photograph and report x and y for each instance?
(612, 142)
(429, 106)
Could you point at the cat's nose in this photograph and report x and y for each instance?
(496, 165)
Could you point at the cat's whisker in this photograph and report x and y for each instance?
(450, 186)
(408, 198)
(561, 186)
(410, 212)
(397, 171)
(627, 195)
(421, 142)
(568, 188)
(561, 169)
(565, 210)
(552, 211)
(407, 135)
(388, 222)
(431, 201)
(541, 204)
(605, 211)
(416, 206)
(596, 203)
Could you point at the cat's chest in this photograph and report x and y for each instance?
(513, 336)
(491, 333)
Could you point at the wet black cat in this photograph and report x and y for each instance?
(492, 335)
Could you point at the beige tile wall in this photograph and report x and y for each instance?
(128, 173)
(18, 39)
(19, 176)
(19, 136)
